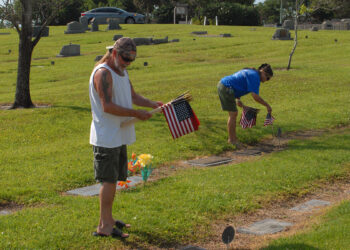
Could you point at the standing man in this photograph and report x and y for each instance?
(111, 96)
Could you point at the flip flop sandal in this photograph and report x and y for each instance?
(120, 224)
(115, 233)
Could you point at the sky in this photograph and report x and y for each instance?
(259, 1)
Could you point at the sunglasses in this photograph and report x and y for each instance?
(268, 77)
(126, 59)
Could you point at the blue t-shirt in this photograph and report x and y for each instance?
(243, 82)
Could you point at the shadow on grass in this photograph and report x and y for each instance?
(298, 246)
(77, 108)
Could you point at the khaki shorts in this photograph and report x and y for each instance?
(227, 98)
(110, 164)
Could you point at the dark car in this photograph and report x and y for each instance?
(103, 13)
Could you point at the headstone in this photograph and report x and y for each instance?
(113, 24)
(309, 205)
(288, 24)
(95, 189)
(210, 161)
(314, 28)
(98, 58)
(116, 37)
(84, 22)
(5, 33)
(225, 35)
(52, 62)
(142, 41)
(74, 28)
(268, 226)
(70, 50)
(159, 41)
(327, 25)
(94, 25)
(44, 33)
(145, 64)
(281, 34)
(199, 32)
(175, 41)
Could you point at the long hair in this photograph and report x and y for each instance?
(105, 57)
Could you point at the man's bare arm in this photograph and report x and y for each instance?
(140, 100)
(104, 87)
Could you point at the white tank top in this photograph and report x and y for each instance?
(105, 128)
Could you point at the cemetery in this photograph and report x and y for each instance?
(199, 192)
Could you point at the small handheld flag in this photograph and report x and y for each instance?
(180, 118)
(248, 118)
(269, 119)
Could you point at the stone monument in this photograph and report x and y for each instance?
(44, 33)
(70, 50)
(74, 28)
(116, 37)
(288, 24)
(94, 25)
(113, 24)
(281, 34)
(85, 22)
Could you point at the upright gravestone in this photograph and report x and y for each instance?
(94, 25)
(44, 33)
(116, 37)
(113, 24)
(84, 22)
(288, 24)
(70, 50)
(314, 28)
(74, 28)
(327, 25)
(281, 34)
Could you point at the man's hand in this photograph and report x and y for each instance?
(156, 104)
(143, 114)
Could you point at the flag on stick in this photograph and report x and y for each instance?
(269, 119)
(248, 118)
(180, 118)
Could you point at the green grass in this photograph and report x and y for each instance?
(45, 152)
(331, 232)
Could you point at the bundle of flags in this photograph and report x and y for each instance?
(248, 118)
(269, 119)
(180, 117)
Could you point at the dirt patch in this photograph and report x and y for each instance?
(9, 208)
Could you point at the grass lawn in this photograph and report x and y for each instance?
(45, 152)
(332, 231)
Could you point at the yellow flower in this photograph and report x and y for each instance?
(145, 159)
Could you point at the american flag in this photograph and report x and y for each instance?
(248, 118)
(269, 119)
(180, 118)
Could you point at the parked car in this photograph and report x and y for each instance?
(103, 13)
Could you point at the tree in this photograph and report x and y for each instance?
(299, 4)
(20, 14)
(147, 5)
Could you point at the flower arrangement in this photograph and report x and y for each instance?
(141, 163)
(124, 183)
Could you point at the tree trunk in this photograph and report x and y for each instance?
(296, 34)
(22, 97)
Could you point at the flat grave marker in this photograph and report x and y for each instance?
(309, 205)
(94, 190)
(210, 161)
(249, 152)
(267, 226)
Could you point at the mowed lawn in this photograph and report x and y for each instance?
(45, 152)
